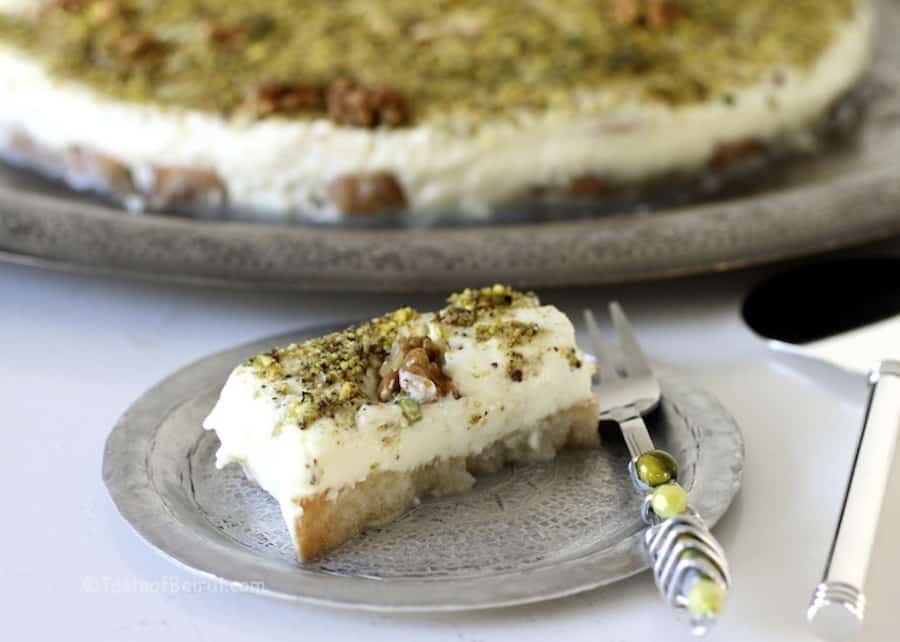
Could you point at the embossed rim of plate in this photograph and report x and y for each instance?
(70, 235)
(858, 203)
(126, 474)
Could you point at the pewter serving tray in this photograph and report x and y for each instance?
(845, 195)
(526, 534)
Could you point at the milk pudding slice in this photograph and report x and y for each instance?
(347, 430)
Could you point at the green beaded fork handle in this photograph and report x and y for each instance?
(688, 563)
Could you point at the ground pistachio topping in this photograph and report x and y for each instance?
(466, 308)
(395, 358)
(395, 62)
(512, 333)
(332, 372)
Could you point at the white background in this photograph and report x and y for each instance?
(75, 351)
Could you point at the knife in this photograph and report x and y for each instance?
(847, 313)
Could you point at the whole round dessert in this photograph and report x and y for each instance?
(294, 109)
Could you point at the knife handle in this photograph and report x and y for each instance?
(838, 602)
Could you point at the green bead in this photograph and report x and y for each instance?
(656, 467)
(706, 597)
(669, 500)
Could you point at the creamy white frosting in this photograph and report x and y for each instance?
(281, 168)
(255, 430)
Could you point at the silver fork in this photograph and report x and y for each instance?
(689, 565)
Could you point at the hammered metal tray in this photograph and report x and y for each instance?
(848, 194)
(526, 534)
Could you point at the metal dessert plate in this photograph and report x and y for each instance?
(526, 534)
(847, 194)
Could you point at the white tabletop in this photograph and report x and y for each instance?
(75, 351)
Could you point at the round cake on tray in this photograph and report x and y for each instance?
(291, 109)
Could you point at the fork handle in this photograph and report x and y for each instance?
(634, 431)
(690, 568)
(689, 564)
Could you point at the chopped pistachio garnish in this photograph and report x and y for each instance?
(303, 411)
(347, 390)
(331, 371)
(455, 57)
(341, 371)
(512, 333)
(411, 410)
(465, 308)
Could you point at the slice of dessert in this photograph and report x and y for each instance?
(347, 430)
(326, 110)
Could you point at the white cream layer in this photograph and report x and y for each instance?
(290, 463)
(283, 168)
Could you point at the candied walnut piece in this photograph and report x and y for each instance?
(184, 185)
(729, 155)
(660, 14)
(222, 34)
(415, 367)
(350, 102)
(95, 170)
(367, 193)
(652, 14)
(285, 98)
(589, 185)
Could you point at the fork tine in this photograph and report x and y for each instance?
(636, 363)
(605, 362)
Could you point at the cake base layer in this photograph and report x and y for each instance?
(330, 518)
